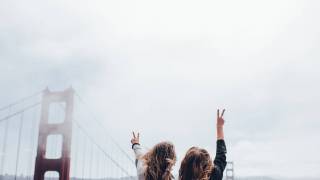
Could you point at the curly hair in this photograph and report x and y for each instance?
(196, 165)
(159, 162)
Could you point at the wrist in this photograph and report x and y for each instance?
(133, 144)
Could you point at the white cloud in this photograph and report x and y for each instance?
(164, 67)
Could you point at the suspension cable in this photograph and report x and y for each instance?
(20, 101)
(19, 112)
(19, 146)
(101, 149)
(101, 124)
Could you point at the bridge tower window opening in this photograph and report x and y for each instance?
(56, 113)
(51, 175)
(54, 146)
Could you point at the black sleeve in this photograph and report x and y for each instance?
(220, 161)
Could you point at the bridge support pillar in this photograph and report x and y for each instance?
(62, 164)
(229, 171)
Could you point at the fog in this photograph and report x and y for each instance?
(163, 68)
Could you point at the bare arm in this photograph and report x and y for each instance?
(220, 124)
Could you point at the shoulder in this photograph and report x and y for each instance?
(141, 168)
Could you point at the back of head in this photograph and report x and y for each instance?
(196, 165)
(159, 161)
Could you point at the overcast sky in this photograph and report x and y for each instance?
(163, 68)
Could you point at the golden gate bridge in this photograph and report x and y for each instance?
(48, 135)
(53, 135)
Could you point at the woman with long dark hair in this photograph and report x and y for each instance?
(157, 163)
(197, 163)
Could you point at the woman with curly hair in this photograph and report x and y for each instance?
(157, 163)
(197, 164)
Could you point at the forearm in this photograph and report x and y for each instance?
(138, 162)
(220, 159)
(137, 150)
(220, 133)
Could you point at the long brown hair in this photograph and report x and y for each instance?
(159, 161)
(196, 165)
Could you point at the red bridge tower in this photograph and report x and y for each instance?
(62, 164)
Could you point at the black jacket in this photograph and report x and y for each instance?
(220, 161)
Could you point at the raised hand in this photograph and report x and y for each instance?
(220, 123)
(135, 138)
(220, 120)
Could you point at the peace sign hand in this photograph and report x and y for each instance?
(220, 120)
(135, 139)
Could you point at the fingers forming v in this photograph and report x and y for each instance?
(134, 136)
(222, 112)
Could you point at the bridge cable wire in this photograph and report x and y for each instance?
(20, 100)
(84, 157)
(4, 146)
(101, 124)
(32, 140)
(20, 111)
(101, 149)
(96, 144)
(19, 146)
(76, 143)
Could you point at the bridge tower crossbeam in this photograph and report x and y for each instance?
(62, 164)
